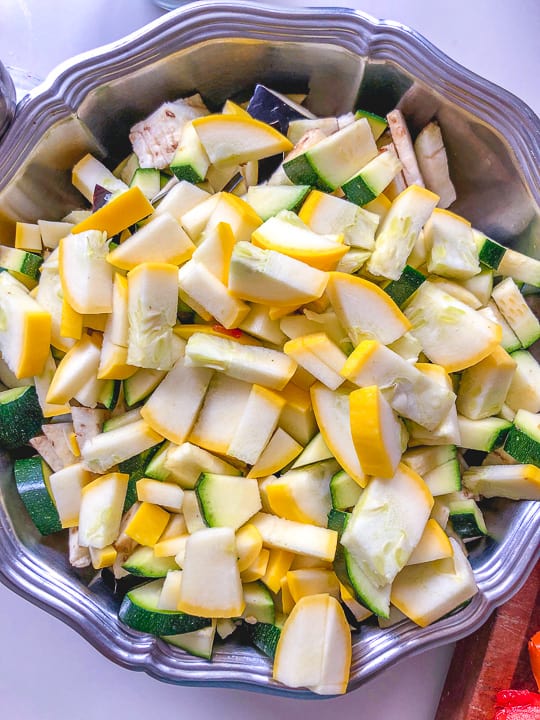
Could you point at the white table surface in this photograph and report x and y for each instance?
(47, 670)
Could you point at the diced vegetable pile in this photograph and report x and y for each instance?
(254, 372)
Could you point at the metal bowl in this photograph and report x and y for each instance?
(342, 59)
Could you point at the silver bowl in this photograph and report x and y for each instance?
(342, 59)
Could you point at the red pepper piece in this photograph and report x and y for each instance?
(232, 332)
(534, 655)
(518, 713)
(516, 698)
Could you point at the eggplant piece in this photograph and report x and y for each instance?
(101, 197)
(275, 109)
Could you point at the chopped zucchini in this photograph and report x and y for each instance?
(467, 519)
(407, 284)
(32, 481)
(344, 491)
(140, 611)
(259, 604)
(516, 312)
(20, 416)
(485, 434)
(516, 482)
(227, 500)
(144, 563)
(265, 637)
(372, 179)
(523, 439)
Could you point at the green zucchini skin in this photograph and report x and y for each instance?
(139, 614)
(135, 467)
(20, 416)
(30, 481)
(265, 637)
(522, 447)
(409, 282)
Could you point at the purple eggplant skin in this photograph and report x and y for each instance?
(271, 108)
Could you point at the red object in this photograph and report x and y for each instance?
(534, 656)
(514, 698)
(518, 713)
(232, 332)
(494, 657)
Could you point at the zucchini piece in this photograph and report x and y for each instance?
(444, 479)
(198, 642)
(107, 449)
(140, 611)
(373, 178)
(184, 463)
(516, 482)
(121, 420)
(453, 252)
(506, 261)
(148, 180)
(259, 604)
(467, 519)
(387, 523)
(376, 599)
(23, 265)
(524, 391)
(141, 384)
(377, 123)
(335, 159)
(265, 637)
(344, 491)
(485, 434)
(516, 312)
(32, 481)
(269, 200)
(399, 231)
(484, 386)
(407, 284)
(108, 393)
(156, 469)
(136, 467)
(315, 451)
(20, 416)
(227, 500)
(509, 341)
(523, 439)
(190, 161)
(144, 563)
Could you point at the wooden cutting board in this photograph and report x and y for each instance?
(493, 658)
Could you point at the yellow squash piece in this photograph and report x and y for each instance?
(78, 366)
(287, 234)
(211, 585)
(103, 557)
(237, 139)
(248, 545)
(319, 660)
(317, 354)
(452, 333)
(25, 329)
(87, 278)
(281, 450)
(312, 581)
(332, 410)
(365, 310)
(119, 213)
(102, 503)
(258, 567)
(376, 432)
(147, 524)
(279, 563)
(160, 240)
